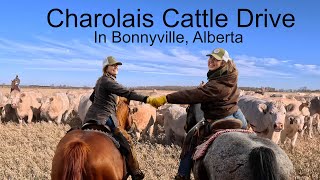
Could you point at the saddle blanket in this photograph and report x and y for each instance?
(202, 148)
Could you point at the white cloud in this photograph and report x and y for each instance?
(63, 69)
(259, 67)
(75, 55)
(262, 61)
(308, 68)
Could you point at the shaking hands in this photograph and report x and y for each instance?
(156, 101)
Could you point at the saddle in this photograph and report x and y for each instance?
(203, 130)
(117, 137)
(96, 125)
(220, 124)
(216, 128)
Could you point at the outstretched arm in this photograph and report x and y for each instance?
(120, 90)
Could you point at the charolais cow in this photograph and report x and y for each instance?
(292, 126)
(3, 102)
(143, 117)
(314, 109)
(266, 118)
(26, 104)
(175, 118)
(74, 99)
(84, 105)
(55, 107)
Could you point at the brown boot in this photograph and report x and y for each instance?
(126, 146)
(133, 166)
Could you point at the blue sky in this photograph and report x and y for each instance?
(277, 57)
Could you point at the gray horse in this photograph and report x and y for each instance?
(240, 156)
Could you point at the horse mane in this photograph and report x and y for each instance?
(263, 164)
(123, 113)
(77, 153)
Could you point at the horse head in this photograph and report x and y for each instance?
(123, 113)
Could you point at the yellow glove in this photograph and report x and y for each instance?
(156, 101)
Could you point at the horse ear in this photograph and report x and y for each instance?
(263, 108)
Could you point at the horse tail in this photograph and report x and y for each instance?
(263, 164)
(75, 155)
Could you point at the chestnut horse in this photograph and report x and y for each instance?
(14, 86)
(90, 154)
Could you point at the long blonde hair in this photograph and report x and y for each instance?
(231, 66)
(104, 70)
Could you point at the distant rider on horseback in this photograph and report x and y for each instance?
(15, 84)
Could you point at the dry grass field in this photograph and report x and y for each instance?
(26, 152)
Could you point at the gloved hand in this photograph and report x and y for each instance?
(156, 101)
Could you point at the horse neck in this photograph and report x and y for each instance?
(122, 114)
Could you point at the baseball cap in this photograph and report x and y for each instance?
(220, 54)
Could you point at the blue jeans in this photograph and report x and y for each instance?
(110, 123)
(185, 165)
(239, 115)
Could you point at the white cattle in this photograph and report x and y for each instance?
(55, 107)
(298, 110)
(265, 117)
(84, 105)
(3, 102)
(26, 104)
(292, 126)
(175, 118)
(314, 110)
(143, 117)
(74, 100)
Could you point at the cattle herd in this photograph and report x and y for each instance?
(277, 117)
(273, 116)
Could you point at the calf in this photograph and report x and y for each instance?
(292, 126)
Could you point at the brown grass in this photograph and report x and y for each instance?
(26, 153)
